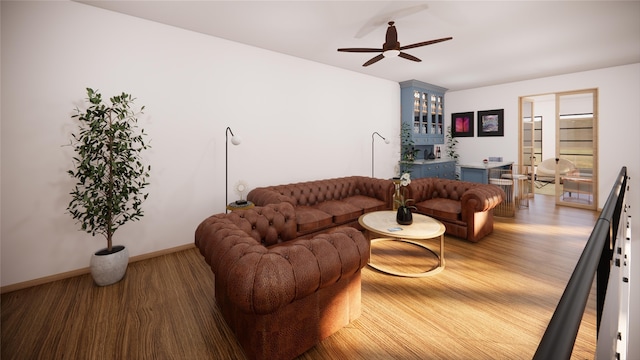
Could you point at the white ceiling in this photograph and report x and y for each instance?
(494, 42)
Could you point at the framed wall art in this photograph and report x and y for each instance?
(462, 124)
(491, 123)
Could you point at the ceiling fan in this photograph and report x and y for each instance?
(391, 47)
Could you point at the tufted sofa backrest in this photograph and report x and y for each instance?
(268, 225)
(381, 189)
(450, 189)
(430, 188)
(313, 192)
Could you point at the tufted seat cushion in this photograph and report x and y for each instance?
(311, 219)
(366, 203)
(341, 211)
(441, 208)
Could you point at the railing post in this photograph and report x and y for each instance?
(602, 276)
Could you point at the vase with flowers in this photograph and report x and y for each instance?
(397, 195)
(404, 216)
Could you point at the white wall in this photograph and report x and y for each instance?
(299, 120)
(618, 132)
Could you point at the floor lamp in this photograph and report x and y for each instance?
(235, 141)
(372, 148)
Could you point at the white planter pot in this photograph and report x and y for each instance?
(109, 268)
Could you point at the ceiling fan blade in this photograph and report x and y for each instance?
(424, 43)
(374, 60)
(360, 50)
(409, 57)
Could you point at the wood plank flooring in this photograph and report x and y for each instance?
(492, 301)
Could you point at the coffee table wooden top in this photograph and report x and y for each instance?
(384, 223)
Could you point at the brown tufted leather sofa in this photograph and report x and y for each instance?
(281, 294)
(325, 204)
(465, 208)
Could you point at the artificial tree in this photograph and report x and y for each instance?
(110, 176)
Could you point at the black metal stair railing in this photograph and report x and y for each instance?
(560, 336)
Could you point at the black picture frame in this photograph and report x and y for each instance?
(462, 124)
(491, 122)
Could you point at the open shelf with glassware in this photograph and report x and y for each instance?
(422, 107)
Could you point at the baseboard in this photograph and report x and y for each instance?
(84, 271)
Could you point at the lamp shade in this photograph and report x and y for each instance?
(235, 140)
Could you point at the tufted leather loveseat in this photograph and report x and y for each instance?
(281, 294)
(465, 208)
(325, 204)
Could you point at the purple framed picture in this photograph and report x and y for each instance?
(462, 124)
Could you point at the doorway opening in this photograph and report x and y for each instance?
(558, 146)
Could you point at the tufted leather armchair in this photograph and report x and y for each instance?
(465, 208)
(281, 294)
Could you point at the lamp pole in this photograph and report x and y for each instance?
(372, 148)
(235, 141)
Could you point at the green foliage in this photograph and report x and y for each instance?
(108, 169)
(452, 142)
(408, 151)
(451, 145)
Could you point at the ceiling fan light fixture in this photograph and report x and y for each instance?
(391, 53)
(391, 47)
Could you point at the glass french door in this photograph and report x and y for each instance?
(561, 157)
(527, 158)
(576, 180)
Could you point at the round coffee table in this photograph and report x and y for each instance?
(423, 228)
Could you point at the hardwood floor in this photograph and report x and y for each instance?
(492, 301)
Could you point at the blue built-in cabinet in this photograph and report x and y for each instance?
(422, 107)
(441, 168)
(479, 172)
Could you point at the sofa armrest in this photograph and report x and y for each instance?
(381, 189)
(297, 269)
(481, 198)
(268, 225)
(265, 196)
(420, 189)
(261, 279)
